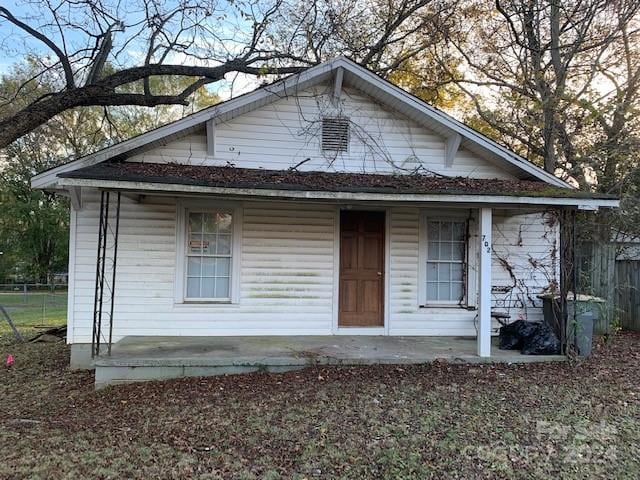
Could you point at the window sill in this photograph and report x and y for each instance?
(206, 304)
(447, 305)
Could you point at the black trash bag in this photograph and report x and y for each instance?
(513, 336)
(544, 341)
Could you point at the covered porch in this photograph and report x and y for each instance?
(138, 358)
(286, 238)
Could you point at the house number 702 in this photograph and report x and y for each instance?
(486, 244)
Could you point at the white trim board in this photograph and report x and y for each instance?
(485, 228)
(376, 331)
(580, 203)
(353, 74)
(71, 305)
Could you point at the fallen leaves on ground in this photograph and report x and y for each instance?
(553, 420)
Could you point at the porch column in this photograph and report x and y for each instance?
(484, 284)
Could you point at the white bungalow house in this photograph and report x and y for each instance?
(329, 203)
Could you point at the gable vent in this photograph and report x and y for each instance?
(335, 134)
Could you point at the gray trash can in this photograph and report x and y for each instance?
(580, 330)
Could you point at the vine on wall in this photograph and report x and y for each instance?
(529, 262)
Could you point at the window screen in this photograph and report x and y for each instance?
(209, 247)
(446, 254)
(335, 134)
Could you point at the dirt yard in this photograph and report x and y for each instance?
(579, 420)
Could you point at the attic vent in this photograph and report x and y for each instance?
(335, 134)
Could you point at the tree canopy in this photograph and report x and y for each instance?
(34, 225)
(557, 81)
(75, 41)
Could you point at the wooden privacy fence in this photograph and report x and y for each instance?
(596, 273)
(628, 293)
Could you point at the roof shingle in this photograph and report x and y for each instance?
(232, 177)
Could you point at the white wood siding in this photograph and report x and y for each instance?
(286, 273)
(285, 279)
(406, 317)
(528, 246)
(287, 132)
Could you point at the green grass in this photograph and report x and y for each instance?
(35, 310)
(558, 420)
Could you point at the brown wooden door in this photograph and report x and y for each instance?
(361, 295)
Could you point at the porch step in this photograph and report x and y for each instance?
(117, 375)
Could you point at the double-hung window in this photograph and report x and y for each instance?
(446, 258)
(208, 254)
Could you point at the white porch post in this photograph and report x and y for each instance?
(484, 284)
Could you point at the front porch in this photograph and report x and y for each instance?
(217, 284)
(140, 358)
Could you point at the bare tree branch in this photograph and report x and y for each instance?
(62, 57)
(203, 41)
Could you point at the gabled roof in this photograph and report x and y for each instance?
(354, 75)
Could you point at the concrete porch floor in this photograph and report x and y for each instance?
(153, 358)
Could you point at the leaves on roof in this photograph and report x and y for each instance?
(291, 179)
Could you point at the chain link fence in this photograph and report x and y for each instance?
(33, 307)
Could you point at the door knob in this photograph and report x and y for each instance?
(380, 273)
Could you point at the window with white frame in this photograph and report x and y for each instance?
(446, 261)
(209, 247)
